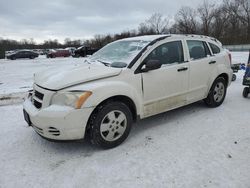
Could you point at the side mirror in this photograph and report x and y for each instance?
(152, 65)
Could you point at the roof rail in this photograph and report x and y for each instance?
(207, 37)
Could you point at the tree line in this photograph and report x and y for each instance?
(228, 21)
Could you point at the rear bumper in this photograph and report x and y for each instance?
(58, 122)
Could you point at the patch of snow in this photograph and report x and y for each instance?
(193, 146)
(16, 76)
(239, 57)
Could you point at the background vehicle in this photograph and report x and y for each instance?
(126, 80)
(83, 51)
(246, 79)
(58, 53)
(71, 50)
(7, 53)
(22, 54)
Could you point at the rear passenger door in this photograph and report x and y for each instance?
(201, 66)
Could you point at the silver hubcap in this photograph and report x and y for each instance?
(219, 92)
(113, 125)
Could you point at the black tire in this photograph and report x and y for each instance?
(246, 91)
(13, 58)
(97, 120)
(234, 77)
(212, 100)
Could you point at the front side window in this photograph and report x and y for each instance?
(198, 49)
(215, 49)
(168, 53)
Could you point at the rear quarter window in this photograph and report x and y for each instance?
(215, 49)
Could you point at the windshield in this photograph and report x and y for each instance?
(120, 51)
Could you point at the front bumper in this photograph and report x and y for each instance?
(58, 122)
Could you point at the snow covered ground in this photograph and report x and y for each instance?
(16, 77)
(193, 146)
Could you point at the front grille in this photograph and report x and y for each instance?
(53, 131)
(37, 99)
(37, 104)
(39, 95)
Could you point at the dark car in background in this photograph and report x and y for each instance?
(83, 51)
(22, 54)
(58, 53)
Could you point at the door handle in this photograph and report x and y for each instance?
(182, 69)
(212, 62)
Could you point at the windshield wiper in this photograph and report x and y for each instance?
(86, 60)
(104, 63)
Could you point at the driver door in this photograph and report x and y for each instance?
(166, 88)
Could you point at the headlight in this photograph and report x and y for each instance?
(71, 98)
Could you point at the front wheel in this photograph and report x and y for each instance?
(110, 124)
(217, 93)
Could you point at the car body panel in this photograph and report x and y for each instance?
(151, 92)
(70, 123)
(22, 54)
(54, 79)
(58, 53)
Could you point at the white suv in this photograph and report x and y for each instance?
(126, 80)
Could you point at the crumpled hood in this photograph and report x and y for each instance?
(56, 79)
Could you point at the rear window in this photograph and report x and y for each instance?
(198, 49)
(215, 49)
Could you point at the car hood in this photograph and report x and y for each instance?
(56, 79)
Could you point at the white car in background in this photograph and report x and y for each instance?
(71, 50)
(126, 80)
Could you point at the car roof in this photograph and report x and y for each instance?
(176, 36)
(24, 51)
(196, 37)
(144, 38)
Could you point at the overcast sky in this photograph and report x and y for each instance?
(78, 19)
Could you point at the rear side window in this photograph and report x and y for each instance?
(215, 49)
(168, 53)
(198, 49)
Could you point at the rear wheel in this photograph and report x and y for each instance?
(110, 124)
(217, 93)
(246, 92)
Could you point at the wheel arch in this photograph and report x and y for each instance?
(124, 99)
(118, 98)
(221, 75)
(225, 76)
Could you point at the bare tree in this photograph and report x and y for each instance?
(220, 23)
(240, 9)
(144, 29)
(206, 12)
(156, 24)
(186, 21)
